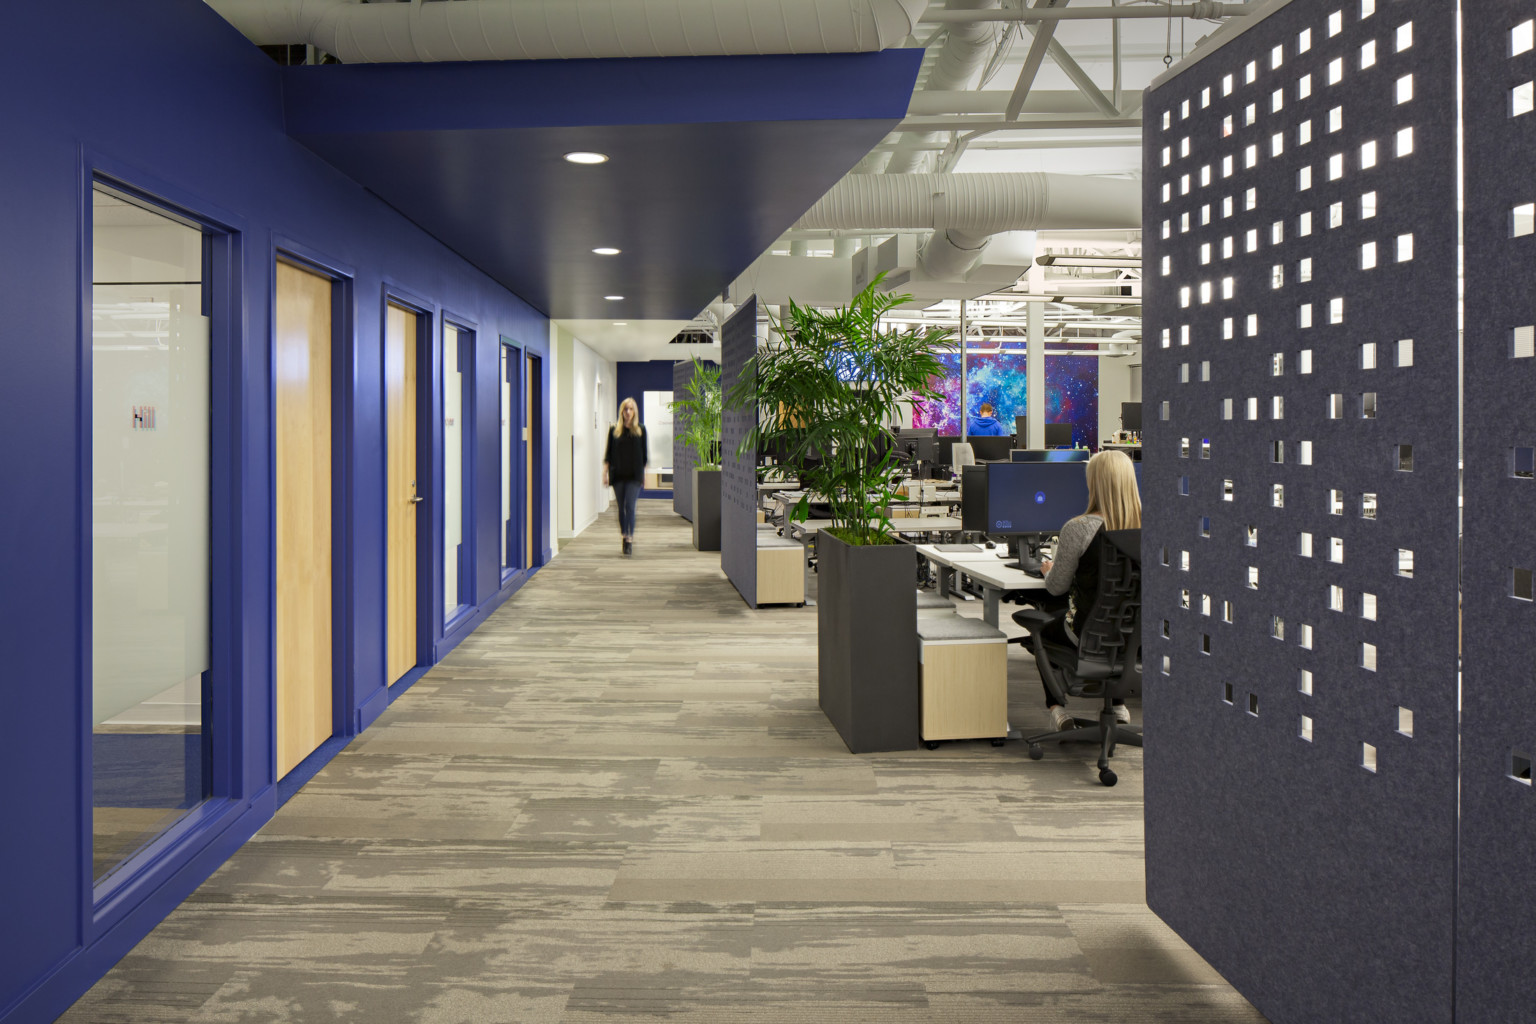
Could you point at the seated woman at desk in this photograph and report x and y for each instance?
(1113, 504)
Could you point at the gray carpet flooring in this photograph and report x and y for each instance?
(618, 800)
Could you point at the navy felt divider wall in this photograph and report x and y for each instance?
(1496, 945)
(682, 455)
(1301, 525)
(738, 473)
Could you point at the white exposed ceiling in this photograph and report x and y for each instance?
(1113, 149)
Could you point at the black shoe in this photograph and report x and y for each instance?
(629, 547)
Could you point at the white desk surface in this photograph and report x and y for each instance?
(985, 566)
(927, 524)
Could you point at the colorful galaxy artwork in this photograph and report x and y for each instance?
(1071, 395)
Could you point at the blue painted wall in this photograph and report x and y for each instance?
(165, 96)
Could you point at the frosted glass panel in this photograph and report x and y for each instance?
(149, 525)
(453, 468)
(656, 414)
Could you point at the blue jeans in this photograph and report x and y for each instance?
(628, 493)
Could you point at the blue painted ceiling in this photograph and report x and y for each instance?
(710, 160)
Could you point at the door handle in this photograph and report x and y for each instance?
(414, 500)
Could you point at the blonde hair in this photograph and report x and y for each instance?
(634, 427)
(1112, 493)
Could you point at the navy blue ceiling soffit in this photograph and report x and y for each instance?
(711, 159)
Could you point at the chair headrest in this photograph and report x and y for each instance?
(1128, 542)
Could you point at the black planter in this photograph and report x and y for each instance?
(706, 509)
(866, 615)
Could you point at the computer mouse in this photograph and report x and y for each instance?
(991, 544)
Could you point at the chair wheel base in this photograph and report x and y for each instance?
(1108, 777)
(1035, 752)
(998, 743)
(931, 744)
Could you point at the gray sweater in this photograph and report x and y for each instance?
(1075, 537)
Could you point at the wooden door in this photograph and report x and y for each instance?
(301, 347)
(402, 494)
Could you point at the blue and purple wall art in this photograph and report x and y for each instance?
(998, 379)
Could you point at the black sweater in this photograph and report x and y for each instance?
(626, 456)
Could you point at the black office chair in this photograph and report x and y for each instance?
(1106, 663)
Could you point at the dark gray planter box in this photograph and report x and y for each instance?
(706, 509)
(866, 615)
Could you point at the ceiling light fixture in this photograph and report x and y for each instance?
(582, 157)
(606, 250)
(621, 323)
(614, 298)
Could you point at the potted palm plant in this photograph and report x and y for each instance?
(826, 387)
(697, 413)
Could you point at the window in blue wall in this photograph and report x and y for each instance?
(508, 387)
(150, 555)
(458, 358)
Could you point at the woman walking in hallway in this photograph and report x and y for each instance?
(624, 466)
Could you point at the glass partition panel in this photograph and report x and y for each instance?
(656, 414)
(507, 448)
(149, 526)
(453, 469)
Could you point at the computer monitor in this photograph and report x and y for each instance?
(973, 499)
(920, 443)
(1058, 435)
(1033, 497)
(1021, 429)
(1130, 416)
(991, 449)
(1050, 455)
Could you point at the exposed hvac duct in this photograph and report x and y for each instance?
(963, 55)
(560, 29)
(963, 210)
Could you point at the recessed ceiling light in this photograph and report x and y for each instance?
(581, 157)
(606, 250)
(621, 323)
(614, 298)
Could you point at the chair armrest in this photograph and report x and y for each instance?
(1033, 618)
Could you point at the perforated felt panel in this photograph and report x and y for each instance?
(1300, 536)
(682, 455)
(738, 473)
(1496, 944)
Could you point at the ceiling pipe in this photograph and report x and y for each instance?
(965, 210)
(965, 52)
(1202, 10)
(977, 203)
(563, 29)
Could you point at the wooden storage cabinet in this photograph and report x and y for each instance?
(964, 679)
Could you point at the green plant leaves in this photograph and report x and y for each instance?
(826, 391)
(698, 414)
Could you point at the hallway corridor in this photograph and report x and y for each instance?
(618, 799)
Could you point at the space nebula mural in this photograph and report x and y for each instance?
(1071, 395)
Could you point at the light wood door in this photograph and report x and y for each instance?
(528, 410)
(402, 495)
(302, 413)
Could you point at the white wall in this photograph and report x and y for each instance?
(1115, 386)
(588, 387)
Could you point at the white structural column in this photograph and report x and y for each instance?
(965, 379)
(1034, 369)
